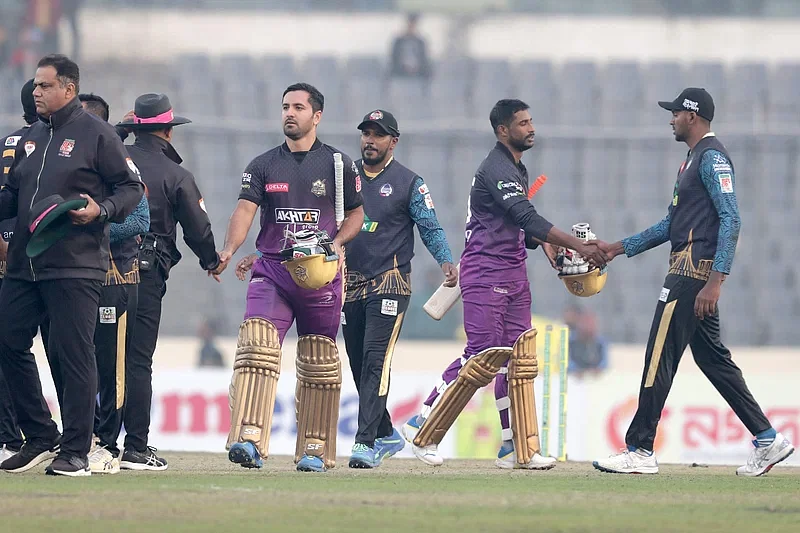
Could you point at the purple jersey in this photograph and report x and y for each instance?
(495, 248)
(295, 190)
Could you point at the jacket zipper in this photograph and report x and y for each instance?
(38, 177)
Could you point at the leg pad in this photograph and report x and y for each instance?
(319, 386)
(477, 372)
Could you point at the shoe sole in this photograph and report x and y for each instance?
(769, 467)
(243, 459)
(125, 465)
(305, 468)
(78, 473)
(39, 459)
(114, 470)
(611, 471)
(360, 463)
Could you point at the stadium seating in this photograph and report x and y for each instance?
(603, 142)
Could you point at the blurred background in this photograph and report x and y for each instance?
(592, 71)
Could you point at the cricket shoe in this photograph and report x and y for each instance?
(33, 453)
(69, 466)
(427, 454)
(629, 462)
(102, 461)
(386, 447)
(245, 454)
(146, 460)
(7, 453)
(507, 460)
(363, 457)
(311, 463)
(763, 458)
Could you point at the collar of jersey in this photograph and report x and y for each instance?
(373, 175)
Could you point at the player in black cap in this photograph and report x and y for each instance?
(379, 279)
(702, 226)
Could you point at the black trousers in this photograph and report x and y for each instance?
(370, 331)
(139, 362)
(10, 434)
(675, 326)
(112, 338)
(71, 305)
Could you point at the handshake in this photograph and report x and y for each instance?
(587, 253)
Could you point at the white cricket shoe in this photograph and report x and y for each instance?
(427, 454)
(764, 458)
(6, 453)
(101, 461)
(628, 462)
(507, 460)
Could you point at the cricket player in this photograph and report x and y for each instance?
(702, 226)
(379, 279)
(294, 185)
(501, 224)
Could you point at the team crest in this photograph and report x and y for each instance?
(375, 115)
(318, 188)
(66, 148)
(301, 273)
(30, 146)
(386, 189)
(577, 287)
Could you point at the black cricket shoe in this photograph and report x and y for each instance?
(146, 460)
(33, 453)
(69, 466)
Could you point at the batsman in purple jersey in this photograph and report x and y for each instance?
(294, 185)
(501, 225)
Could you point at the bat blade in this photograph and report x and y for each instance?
(442, 300)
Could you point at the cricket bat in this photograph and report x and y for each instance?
(444, 298)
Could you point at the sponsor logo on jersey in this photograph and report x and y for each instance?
(284, 215)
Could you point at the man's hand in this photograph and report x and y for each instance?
(450, 274)
(214, 273)
(551, 252)
(339, 249)
(612, 250)
(86, 214)
(705, 304)
(593, 252)
(3, 250)
(244, 266)
(128, 116)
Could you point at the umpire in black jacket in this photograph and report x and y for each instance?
(174, 199)
(67, 155)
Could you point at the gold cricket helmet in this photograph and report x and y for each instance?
(586, 284)
(311, 260)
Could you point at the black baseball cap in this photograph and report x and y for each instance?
(692, 99)
(383, 119)
(28, 103)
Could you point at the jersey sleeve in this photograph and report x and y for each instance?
(421, 211)
(655, 235)
(717, 176)
(352, 185)
(254, 183)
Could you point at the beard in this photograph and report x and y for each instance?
(680, 137)
(374, 160)
(294, 131)
(520, 144)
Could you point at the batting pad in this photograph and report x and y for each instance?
(256, 370)
(522, 370)
(319, 385)
(477, 372)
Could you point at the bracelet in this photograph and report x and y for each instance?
(259, 254)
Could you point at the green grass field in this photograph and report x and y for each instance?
(203, 492)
